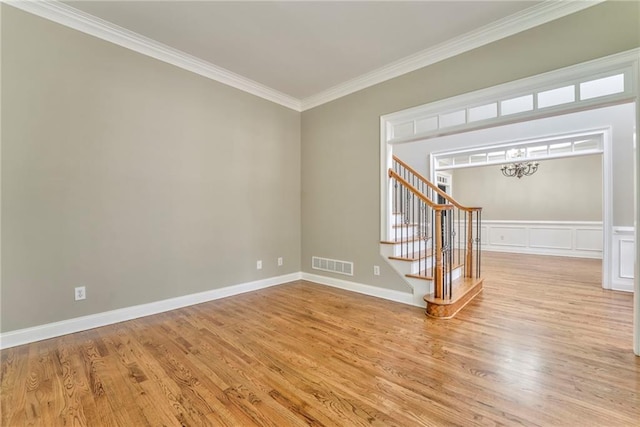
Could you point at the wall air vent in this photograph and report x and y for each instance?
(332, 265)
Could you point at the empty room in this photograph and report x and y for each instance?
(319, 213)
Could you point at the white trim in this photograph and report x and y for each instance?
(636, 281)
(523, 144)
(374, 291)
(623, 62)
(555, 238)
(0, 166)
(619, 280)
(607, 207)
(64, 327)
(529, 18)
(71, 17)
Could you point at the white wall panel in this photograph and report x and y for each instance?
(507, 236)
(403, 129)
(582, 239)
(551, 238)
(587, 239)
(427, 124)
(627, 253)
(622, 273)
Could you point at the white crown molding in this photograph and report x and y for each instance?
(64, 327)
(71, 17)
(508, 26)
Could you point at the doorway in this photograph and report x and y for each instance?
(606, 131)
(557, 209)
(520, 102)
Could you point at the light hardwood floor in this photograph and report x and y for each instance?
(542, 345)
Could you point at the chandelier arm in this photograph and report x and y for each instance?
(520, 169)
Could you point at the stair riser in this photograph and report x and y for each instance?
(398, 249)
(414, 267)
(417, 267)
(458, 272)
(397, 219)
(403, 233)
(409, 267)
(411, 248)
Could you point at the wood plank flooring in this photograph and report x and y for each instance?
(543, 345)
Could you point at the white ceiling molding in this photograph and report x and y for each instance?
(71, 17)
(66, 15)
(513, 24)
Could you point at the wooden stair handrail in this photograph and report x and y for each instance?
(435, 188)
(417, 193)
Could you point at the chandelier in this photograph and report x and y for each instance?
(519, 169)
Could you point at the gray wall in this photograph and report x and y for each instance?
(568, 189)
(340, 140)
(134, 178)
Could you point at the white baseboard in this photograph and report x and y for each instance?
(624, 287)
(374, 291)
(64, 327)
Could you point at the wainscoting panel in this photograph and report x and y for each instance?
(551, 238)
(582, 239)
(624, 245)
(507, 236)
(588, 239)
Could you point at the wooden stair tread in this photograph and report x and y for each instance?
(409, 240)
(460, 286)
(464, 290)
(415, 256)
(413, 224)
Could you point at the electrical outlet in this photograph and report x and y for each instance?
(80, 293)
(376, 270)
(280, 262)
(259, 264)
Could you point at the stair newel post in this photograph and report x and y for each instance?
(469, 252)
(438, 276)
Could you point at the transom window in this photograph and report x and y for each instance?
(527, 101)
(571, 145)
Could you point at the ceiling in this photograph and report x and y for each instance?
(301, 54)
(301, 48)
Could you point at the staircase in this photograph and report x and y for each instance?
(434, 246)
